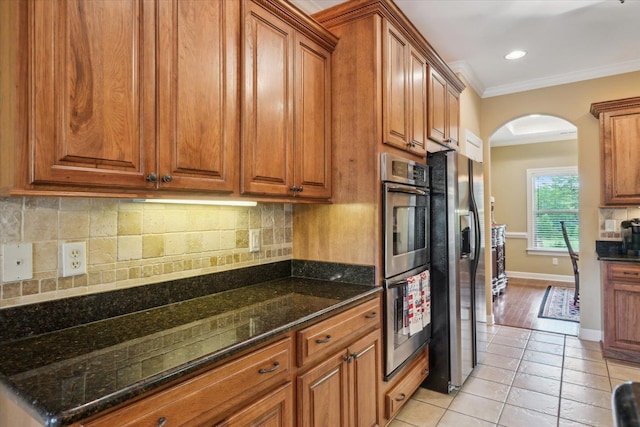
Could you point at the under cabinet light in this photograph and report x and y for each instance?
(199, 202)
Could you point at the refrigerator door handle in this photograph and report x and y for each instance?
(472, 235)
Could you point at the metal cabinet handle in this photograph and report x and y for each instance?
(425, 371)
(347, 358)
(629, 273)
(162, 421)
(275, 366)
(401, 397)
(167, 178)
(152, 177)
(324, 340)
(371, 315)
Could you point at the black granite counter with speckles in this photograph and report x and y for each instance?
(64, 375)
(613, 251)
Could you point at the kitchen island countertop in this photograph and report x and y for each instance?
(64, 376)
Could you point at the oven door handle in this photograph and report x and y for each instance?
(397, 284)
(397, 189)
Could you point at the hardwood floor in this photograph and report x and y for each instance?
(519, 305)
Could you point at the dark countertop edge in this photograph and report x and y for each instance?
(611, 250)
(148, 384)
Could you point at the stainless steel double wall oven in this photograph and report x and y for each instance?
(406, 253)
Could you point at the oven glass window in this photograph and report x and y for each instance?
(409, 232)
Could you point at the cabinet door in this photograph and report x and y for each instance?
(453, 116)
(621, 304)
(365, 367)
(267, 162)
(418, 103)
(323, 394)
(273, 410)
(93, 92)
(312, 145)
(620, 134)
(437, 106)
(199, 121)
(395, 96)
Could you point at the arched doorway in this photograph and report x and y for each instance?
(534, 186)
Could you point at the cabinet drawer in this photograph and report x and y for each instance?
(204, 396)
(401, 393)
(626, 272)
(327, 336)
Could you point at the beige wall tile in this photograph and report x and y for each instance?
(45, 255)
(40, 225)
(74, 225)
(103, 223)
(194, 242)
(129, 248)
(103, 250)
(175, 244)
(152, 246)
(129, 223)
(153, 222)
(128, 241)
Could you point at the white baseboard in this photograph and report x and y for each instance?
(590, 334)
(539, 276)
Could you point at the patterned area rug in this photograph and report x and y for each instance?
(558, 304)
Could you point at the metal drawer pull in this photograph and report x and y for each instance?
(324, 341)
(162, 421)
(401, 397)
(425, 371)
(275, 366)
(371, 315)
(629, 273)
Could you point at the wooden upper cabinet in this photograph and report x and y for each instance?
(312, 139)
(198, 102)
(287, 106)
(444, 110)
(620, 150)
(404, 97)
(100, 78)
(92, 103)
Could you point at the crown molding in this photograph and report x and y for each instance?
(559, 79)
(464, 69)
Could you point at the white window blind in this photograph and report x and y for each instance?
(553, 197)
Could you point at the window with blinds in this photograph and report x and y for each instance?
(553, 197)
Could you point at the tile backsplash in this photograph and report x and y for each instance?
(130, 244)
(618, 215)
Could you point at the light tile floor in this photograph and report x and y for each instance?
(526, 378)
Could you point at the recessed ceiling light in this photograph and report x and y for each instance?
(515, 54)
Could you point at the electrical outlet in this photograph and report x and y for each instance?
(73, 258)
(610, 225)
(254, 240)
(554, 261)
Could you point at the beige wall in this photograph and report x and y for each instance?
(509, 166)
(130, 244)
(572, 102)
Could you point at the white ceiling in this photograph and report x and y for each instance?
(566, 40)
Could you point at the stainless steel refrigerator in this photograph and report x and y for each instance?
(457, 268)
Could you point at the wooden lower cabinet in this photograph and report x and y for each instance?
(343, 390)
(409, 381)
(621, 303)
(273, 410)
(338, 384)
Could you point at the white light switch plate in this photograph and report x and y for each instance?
(610, 225)
(17, 262)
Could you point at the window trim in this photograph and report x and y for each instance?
(532, 173)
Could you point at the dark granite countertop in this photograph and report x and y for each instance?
(612, 251)
(63, 376)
